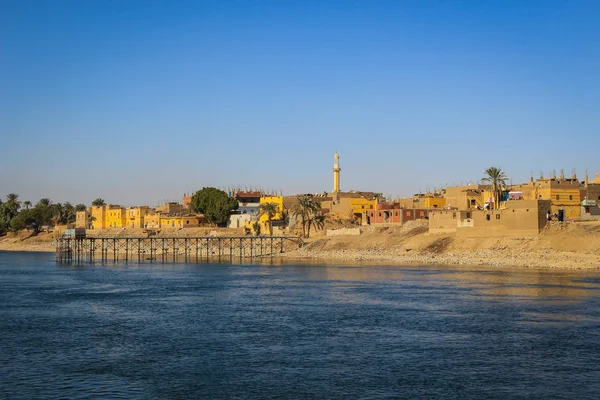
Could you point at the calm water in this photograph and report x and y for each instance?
(178, 331)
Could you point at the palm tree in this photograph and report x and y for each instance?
(316, 220)
(497, 181)
(306, 208)
(80, 207)
(27, 204)
(270, 210)
(91, 220)
(58, 213)
(12, 205)
(45, 202)
(69, 213)
(98, 202)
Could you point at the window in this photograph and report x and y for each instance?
(487, 217)
(454, 215)
(570, 197)
(468, 215)
(587, 210)
(497, 216)
(557, 197)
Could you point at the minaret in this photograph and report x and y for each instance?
(336, 173)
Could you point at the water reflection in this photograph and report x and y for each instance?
(296, 330)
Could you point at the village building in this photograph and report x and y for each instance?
(115, 217)
(391, 214)
(423, 200)
(99, 217)
(82, 219)
(136, 215)
(170, 208)
(563, 193)
(518, 218)
(248, 201)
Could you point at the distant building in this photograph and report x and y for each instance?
(393, 214)
(423, 200)
(248, 201)
(564, 193)
(82, 219)
(519, 218)
(170, 208)
(115, 216)
(136, 216)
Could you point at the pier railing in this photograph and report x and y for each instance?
(167, 249)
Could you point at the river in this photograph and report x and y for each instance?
(295, 331)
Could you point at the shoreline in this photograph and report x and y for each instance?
(549, 259)
(565, 247)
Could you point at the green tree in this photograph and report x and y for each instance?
(270, 210)
(58, 213)
(12, 205)
(32, 219)
(4, 218)
(80, 207)
(45, 202)
(70, 215)
(98, 202)
(215, 204)
(496, 178)
(305, 209)
(27, 204)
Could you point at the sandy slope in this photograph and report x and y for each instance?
(575, 245)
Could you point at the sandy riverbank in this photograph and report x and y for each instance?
(567, 246)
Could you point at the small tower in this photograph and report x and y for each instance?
(336, 173)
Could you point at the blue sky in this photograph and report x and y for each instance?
(140, 101)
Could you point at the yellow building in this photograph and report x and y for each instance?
(168, 221)
(467, 197)
(135, 216)
(564, 194)
(116, 217)
(152, 220)
(434, 202)
(280, 209)
(351, 204)
(99, 217)
(426, 200)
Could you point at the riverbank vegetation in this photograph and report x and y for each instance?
(16, 215)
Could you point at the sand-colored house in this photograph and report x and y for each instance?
(519, 218)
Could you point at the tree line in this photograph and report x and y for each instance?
(16, 215)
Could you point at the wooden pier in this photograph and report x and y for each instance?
(172, 249)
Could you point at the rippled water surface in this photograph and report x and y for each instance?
(177, 331)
